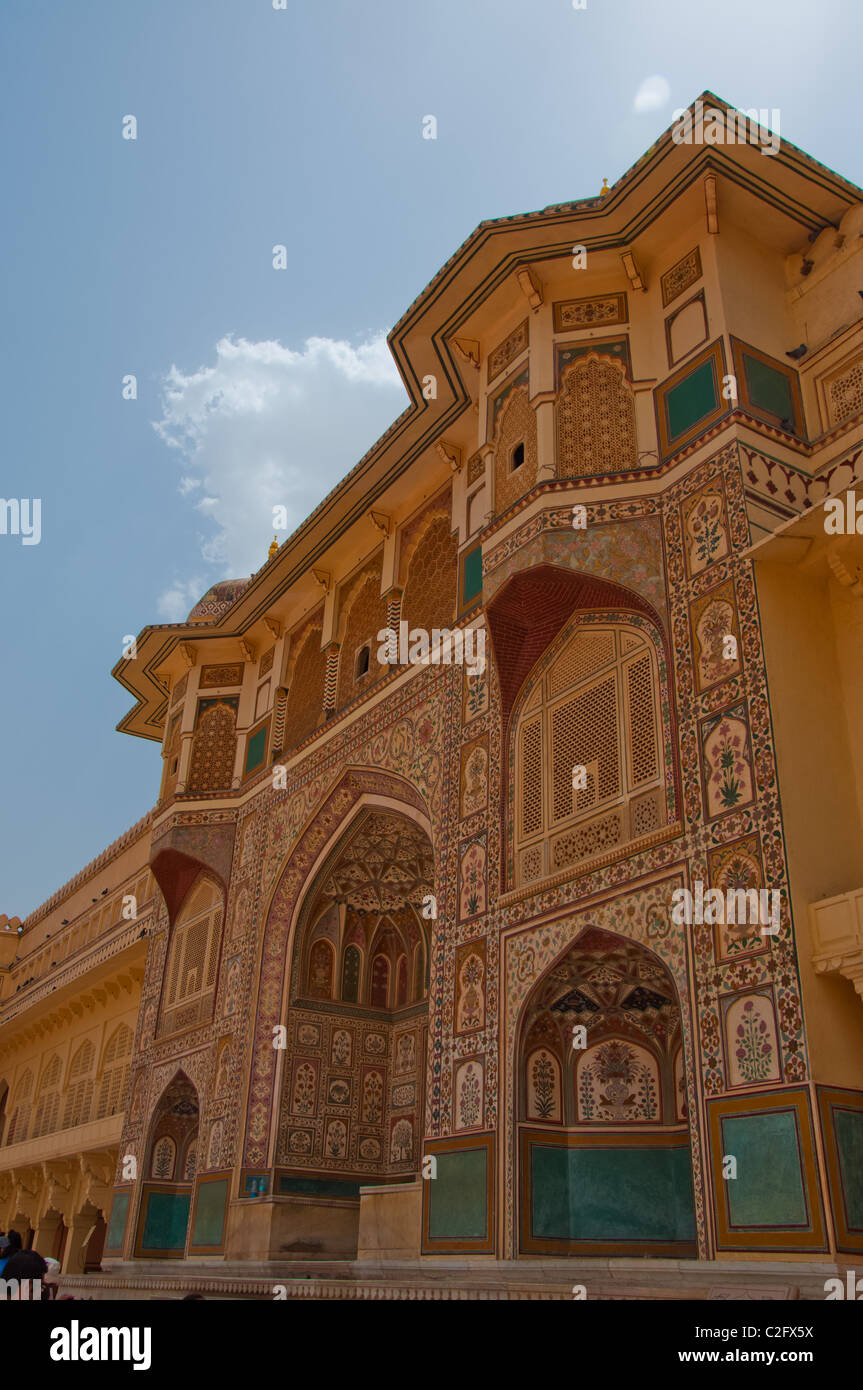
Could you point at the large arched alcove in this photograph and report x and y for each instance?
(192, 967)
(591, 764)
(326, 828)
(604, 1155)
(167, 1172)
(351, 1096)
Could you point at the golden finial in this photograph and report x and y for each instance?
(604, 189)
(273, 548)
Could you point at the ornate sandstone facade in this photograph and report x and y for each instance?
(385, 914)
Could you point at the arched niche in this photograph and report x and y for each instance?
(192, 965)
(604, 1153)
(591, 765)
(164, 1181)
(353, 1078)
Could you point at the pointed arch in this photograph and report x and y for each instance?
(401, 981)
(114, 1076)
(351, 972)
(357, 791)
(362, 615)
(192, 964)
(79, 1087)
(163, 1216)
(322, 960)
(593, 764)
(22, 1097)
(430, 574)
(48, 1104)
(305, 675)
(379, 982)
(597, 1039)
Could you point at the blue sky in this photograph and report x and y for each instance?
(258, 127)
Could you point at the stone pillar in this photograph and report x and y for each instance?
(545, 442)
(46, 1230)
(76, 1241)
(185, 762)
(331, 680)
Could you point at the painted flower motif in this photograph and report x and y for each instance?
(705, 528)
(755, 1050)
(543, 1085)
(730, 776)
(469, 1100)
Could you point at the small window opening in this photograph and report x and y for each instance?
(517, 457)
(362, 664)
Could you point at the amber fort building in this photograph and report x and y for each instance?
(375, 985)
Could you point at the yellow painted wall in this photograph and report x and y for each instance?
(819, 794)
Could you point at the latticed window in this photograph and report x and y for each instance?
(49, 1100)
(589, 771)
(19, 1120)
(115, 1073)
(214, 746)
(595, 418)
(193, 960)
(79, 1091)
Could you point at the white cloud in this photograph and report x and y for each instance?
(268, 426)
(653, 94)
(175, 602)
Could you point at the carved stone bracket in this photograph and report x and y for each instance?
(836, 928)
(632, 272)
(451, 454)
(530, 287)
(468, 350)
(711, 204)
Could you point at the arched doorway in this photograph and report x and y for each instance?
(168, 1174)
(603, 1131)
(351, 1105)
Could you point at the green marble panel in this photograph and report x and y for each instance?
(458, 1196)
(768, 1190)
(769, 388)
(117, 1221)
(255, 749)
(691, 400)
(209, 1227)
(611, 1194)
(849, 1143)
(472, 575)
(166, 1220)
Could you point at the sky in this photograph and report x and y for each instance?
(256, 127)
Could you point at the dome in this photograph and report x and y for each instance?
(217, 600)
